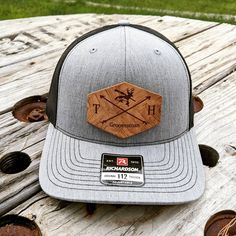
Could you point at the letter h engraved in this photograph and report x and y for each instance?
(151, 109)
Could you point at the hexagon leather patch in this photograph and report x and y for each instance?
(124, 109)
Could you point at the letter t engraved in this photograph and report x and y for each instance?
(96, 106)
(151, 109)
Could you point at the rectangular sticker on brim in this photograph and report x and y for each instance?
(122, 170)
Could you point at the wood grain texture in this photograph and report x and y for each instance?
(124, 109)
(29, 51)
(28, 138)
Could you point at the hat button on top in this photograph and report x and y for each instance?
(123, 22)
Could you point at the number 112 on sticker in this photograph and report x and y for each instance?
(122, 176)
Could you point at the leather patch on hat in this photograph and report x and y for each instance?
(124, 109)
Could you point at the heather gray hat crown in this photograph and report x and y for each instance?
(70, 165)
(114, 55)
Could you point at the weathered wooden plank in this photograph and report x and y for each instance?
(13, 27)
(39, 33)
(205, 44)
(15, 188)
(216, 122)
(20, 52)
(176, 28)
(23, 195)
(54, 35)
(213, 68)
(28, 138)
(16, 135)
(185, 28)
(19, 71)
(75, 27)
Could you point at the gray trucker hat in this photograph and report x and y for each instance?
(121, 121)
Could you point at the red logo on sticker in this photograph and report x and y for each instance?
(122, 161)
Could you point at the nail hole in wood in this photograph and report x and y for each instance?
(197, 104)
(210, 156)
(14, 162)
(14, 225)
(31, 109)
